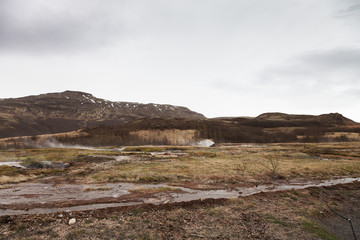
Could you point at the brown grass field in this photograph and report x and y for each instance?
(291, 214)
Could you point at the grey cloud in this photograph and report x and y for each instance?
(334, 59)
(311, 73)
(38, 25)
(350, 11)
(47, 25)
(335, 66)
(68, 24)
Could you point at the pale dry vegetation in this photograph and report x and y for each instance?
(237, 164)
(215, 166)
(170, 136)
(294, 214)
(14, 179)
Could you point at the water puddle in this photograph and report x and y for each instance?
(68, 209)
(12, 164)
(296, 185)
(43, 193)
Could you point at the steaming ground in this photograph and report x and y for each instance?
(54, 143)
(205, 143)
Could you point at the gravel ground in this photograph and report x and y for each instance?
(294, 214)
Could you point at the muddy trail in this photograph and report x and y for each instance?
(43, 198)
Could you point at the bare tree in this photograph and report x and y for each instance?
(272, 164)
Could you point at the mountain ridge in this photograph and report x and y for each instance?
(68, 111)
(335, 118)
(72, 110)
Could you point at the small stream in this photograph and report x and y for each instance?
(43, 193)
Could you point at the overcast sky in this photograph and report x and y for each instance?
(217, 57)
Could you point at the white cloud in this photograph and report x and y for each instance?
(217, 57)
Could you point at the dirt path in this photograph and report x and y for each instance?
(43, 198)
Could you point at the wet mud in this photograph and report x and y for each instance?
(44, 198)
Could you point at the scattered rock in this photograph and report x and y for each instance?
(72, 221)
(197, 235)
(47, 164)
(60, 215)
(59, 165)
(35, 165)
(5, 219)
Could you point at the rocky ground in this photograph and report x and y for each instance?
(295, 214)
(70, 178)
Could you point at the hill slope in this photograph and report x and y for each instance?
(70, 110)
(331, 118)
(326, 127)
(266, 128)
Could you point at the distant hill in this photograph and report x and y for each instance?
(71, 110)
(331, 118)
(92, 121)
(266, 128)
